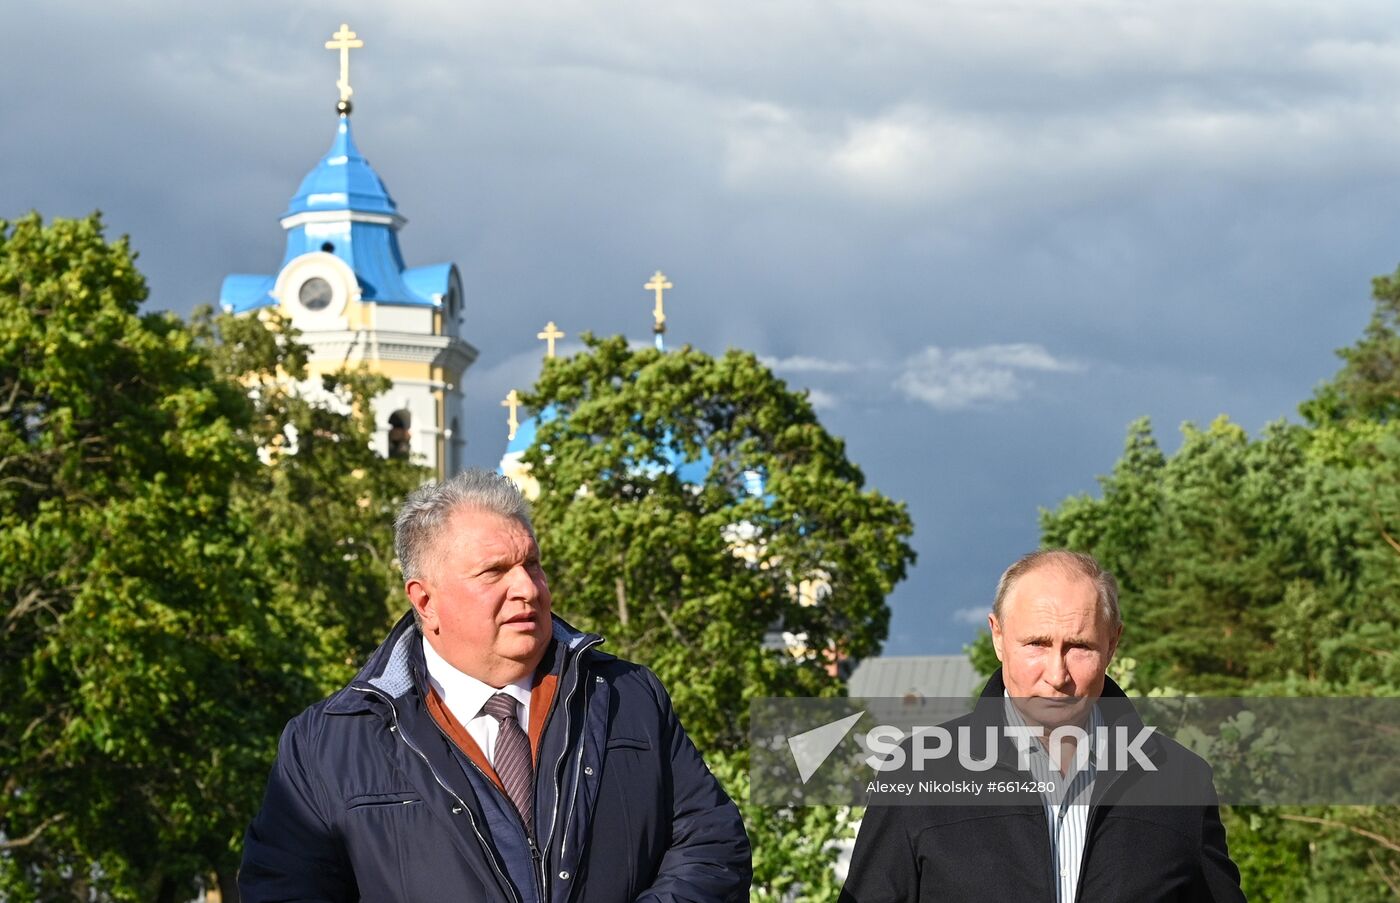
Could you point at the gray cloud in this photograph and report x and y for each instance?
(975, 615)
(1192, 196)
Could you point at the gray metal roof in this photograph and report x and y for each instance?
(930, 676)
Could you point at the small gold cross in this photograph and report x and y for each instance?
(512, 401)
(344, 40)
(551, 332)
(659, 284)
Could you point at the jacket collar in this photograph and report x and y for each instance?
(393, 669)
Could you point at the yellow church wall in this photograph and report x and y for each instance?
(441, 402)
(359, 315)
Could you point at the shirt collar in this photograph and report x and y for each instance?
(463, 694)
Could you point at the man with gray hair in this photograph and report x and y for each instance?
(489, 751)
(1064, 822)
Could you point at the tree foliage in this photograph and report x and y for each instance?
(1368, 385)
(1246, 561)
(160, 622)
(795, 848)
(690, 578)
(325, 501)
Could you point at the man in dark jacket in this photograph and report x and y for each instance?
(1065, 823)
(487, 750)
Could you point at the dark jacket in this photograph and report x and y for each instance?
(369, 800)
(1138, 850)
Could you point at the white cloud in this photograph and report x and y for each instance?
(975, 615)
(823, 400)
(959, 378)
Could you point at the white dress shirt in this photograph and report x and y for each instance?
(1066, 811)
(464, 696)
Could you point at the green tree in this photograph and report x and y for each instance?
(691, 578)
(1264, 560)
(123, 566)
(169, 600)
(656, 537)
(794, 847)
(1368, 385)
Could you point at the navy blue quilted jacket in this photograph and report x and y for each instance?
(369, 800)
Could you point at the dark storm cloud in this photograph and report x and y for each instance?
(984, 235)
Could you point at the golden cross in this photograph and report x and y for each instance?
(659, 285)
(551, 332)
(513, 402)
(344, 40)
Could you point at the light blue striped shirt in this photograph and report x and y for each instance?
(1067, 807)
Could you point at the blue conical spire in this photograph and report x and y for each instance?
(343, 180)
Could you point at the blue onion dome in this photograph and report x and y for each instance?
(343, 180)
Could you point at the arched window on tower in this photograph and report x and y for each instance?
(400, 437)
(455, 440)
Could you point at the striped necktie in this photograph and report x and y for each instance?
(512, 758)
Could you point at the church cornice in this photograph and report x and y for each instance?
(393, 221)
(370, 345)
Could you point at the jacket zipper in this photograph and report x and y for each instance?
(1094, 806)
(490, 853)
(579, 674)
(1084, 857)
(539, 866)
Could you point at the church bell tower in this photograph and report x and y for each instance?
(342, 283)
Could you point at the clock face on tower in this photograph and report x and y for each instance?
(315, 293)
